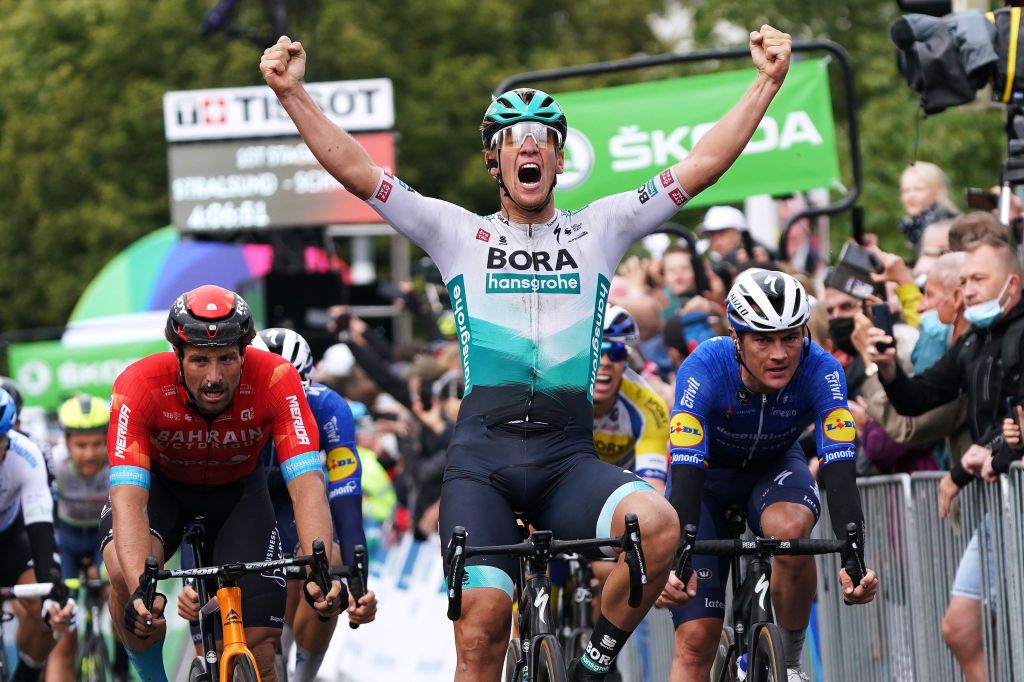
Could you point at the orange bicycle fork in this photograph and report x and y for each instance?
(229, 602)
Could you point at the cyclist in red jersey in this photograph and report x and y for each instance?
(186, 431)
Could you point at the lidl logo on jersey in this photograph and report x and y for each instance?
(341, 463)
(685, 430)
(839, 426)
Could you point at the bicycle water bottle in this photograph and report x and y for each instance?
(741, 668)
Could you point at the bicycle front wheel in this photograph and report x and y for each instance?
(548, 663)
(242, 670)
(724, 667)
(768, 663)
(515, 666)
(197, 671)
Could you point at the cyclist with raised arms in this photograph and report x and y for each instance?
(528, 286)
(29, 552)
(186, 431)
(741, 403)
(344, 492)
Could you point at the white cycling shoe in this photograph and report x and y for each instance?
(796, 675)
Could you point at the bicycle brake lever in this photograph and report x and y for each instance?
(358, 577)
(456, 570)
(635, 560)
(684, 563)
(320, 568)
(147, 584)
(855, 568)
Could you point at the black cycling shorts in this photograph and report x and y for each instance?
(15, 553)
(240, 526)
(551, 475)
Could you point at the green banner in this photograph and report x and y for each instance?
(623, 136)
(48, 372)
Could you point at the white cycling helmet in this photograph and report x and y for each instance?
(767, 301)
(620, 326)
(290, 345)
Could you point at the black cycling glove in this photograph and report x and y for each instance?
(342, 595)
(132, 618)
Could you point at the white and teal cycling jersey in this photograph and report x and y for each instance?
(529, 299)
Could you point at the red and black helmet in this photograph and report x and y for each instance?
(209, 317)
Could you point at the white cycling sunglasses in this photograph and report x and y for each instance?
(515, 135)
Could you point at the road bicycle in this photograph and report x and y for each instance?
(236, 662)
(751, 647)
(93, 659)
(574, 618)
(536, 655)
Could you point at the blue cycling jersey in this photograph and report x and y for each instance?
(342, 468)
(717, 421)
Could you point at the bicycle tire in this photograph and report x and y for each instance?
(513, 669)
(243, 670)
(197, 671)
(724, 667)
(768, 659)
(548, 662)
(94, 664)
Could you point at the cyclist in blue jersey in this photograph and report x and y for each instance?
(344, 492)
(528, 286)
(741, 403)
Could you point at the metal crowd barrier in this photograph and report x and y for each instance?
(916, 554)
(898, 637)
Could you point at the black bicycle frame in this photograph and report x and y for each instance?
(534, 615)
(194, 537)
(751, 603)
(535, 595)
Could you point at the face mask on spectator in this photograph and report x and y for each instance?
(985, 313)
(840, 329)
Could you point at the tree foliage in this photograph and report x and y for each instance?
(969, 145)
(82, 151)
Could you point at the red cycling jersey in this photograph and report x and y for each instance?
(154, 427)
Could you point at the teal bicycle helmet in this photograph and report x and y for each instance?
(522, 104)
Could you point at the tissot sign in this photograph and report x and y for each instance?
(235, 160)
(231, 113)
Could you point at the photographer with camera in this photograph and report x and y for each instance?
(855, 279)
(943, 303)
